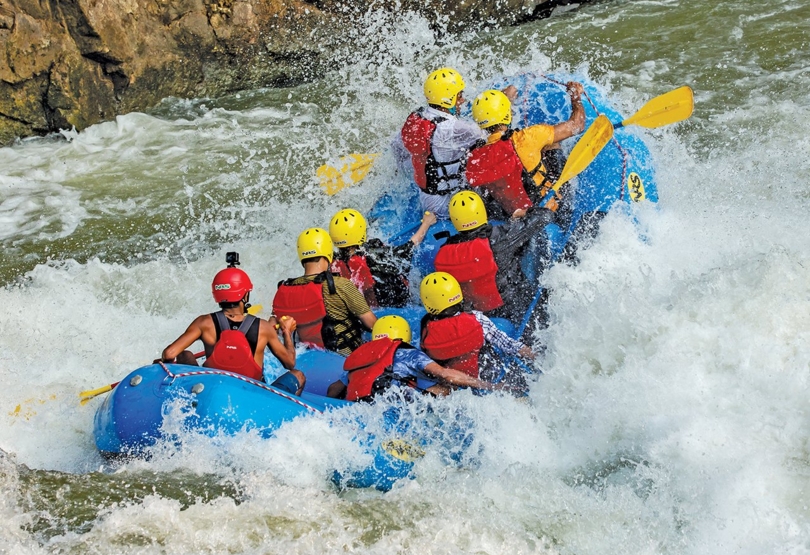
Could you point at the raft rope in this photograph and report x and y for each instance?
(245, 379)
(525, 97)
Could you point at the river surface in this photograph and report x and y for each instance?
(673, 414)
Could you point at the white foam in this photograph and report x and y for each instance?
(672, 416)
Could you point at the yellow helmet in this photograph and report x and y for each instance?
(467, 211)
(348, 228)
(314, 242)
(491, 108)
(392, 327)
(442, 87)
(439, 291)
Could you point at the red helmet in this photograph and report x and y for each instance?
(231, 285)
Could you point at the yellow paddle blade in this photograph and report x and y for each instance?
(349, 170)
(586, 149)
(25, 409)
(670, 107)
(85, 396)
(255, 309)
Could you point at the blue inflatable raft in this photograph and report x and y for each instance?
(217, 402)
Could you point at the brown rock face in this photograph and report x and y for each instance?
(73, 63)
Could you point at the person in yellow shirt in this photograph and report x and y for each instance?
(509, 168)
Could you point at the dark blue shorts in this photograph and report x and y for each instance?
(287, 382)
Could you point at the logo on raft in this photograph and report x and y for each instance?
(222, 286)
(402, 450)
(636, 187)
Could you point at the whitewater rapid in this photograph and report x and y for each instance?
(672, 415)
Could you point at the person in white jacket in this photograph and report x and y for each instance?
(438, 141)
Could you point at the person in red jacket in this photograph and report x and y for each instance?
(378, 270)
(389, 359)
(465, 341)
(485, 259)
(511, 165)
(235, 340)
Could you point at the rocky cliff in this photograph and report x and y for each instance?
(73, 63)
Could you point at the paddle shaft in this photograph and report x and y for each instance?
(584, 152)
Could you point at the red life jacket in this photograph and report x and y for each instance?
(497, 168)
(232, 352)
(304, 302)
(473, 265)
(367, 363)
(357, 270)
(454, 342)
(417, 136)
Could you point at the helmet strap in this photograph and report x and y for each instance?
(246, 300)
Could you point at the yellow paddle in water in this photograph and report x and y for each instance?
(24, 410)
(349, 169)
(86, 396)
(668, 108)
(662, 110)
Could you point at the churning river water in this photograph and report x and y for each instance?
(673, 414)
